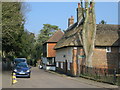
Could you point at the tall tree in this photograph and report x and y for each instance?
(45, 33)
(89, 31)
(12, 27)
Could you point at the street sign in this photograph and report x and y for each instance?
(81, 56)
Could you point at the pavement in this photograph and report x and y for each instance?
(48, 79)
(87, 81)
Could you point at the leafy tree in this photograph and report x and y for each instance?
(27, 40)
(12, 27)
(15, 40)
(45, 33)
(103, 22)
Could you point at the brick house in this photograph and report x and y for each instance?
(70, 57)
(48, 51)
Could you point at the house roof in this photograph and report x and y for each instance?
(106, 35)
(56, 37)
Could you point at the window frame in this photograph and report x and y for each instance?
(61, 64)
(68, 65)
(109, 49)
(57, 64)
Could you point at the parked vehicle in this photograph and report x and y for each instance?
(40, 66)
(18, 60)
(22, 70)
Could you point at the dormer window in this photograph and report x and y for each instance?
(108, 49)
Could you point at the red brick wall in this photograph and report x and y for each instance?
(74, 64)
(103, 59)
(51, 52)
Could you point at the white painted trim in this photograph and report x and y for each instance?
(57, 64)
(61, 65)
(68, 65)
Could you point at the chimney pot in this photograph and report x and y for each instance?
(79, 12)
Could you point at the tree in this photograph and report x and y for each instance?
(15, 40)
(45, 33)
(27, 44)
(103, 22)
(89, 26)
(12, 26)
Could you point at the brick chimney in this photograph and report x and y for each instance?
(70, 21)
(79, 12)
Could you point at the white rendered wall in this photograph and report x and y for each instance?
(64, 54)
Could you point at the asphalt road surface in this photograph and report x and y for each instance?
(43, 79)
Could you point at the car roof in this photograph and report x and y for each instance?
(20, 58)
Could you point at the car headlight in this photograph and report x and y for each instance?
(28, 71)
(15, 70)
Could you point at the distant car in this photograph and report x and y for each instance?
(40, 66)
(22, 70)
(19, 60)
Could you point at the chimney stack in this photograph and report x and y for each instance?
(70, 21)
(79, 12)
(79, 5)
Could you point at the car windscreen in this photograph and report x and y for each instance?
(20, 60)
(23, 65)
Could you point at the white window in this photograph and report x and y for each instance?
(108, 49)
(62, 65)
(57, 64)
(68, 65)
(75, 47)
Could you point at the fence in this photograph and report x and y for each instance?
(101, 74)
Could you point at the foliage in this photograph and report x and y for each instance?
(45, 33)
(27, 44)
(12, 26)
(15, 40)
(103, 22)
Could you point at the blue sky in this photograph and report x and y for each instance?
(57, 13)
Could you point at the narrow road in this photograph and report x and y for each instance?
(43, 79)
